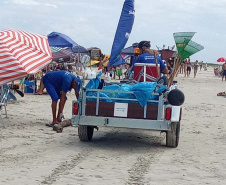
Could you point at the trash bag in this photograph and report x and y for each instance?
(94, 83)
(126, 87)
(113, 87)
(143, 91)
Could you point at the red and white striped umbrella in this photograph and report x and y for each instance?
(22, 53)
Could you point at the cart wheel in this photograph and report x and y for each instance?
(176, 97)
(85, 133)
(172, 136)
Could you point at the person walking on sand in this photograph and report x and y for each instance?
(185, 67)
(224, 71)
(57, 84)
(196, 66)
(200, 66)
(41, 88)
(188, 67)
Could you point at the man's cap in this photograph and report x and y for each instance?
(144, 44)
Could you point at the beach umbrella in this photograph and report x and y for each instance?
(22, 53)
(222, 59)
(129, 50)
(61, 40)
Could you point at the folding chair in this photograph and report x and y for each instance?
(21, 84)
(146, 72)
(3, 100)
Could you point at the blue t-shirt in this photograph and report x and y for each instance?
(147, 58)
(61, 80)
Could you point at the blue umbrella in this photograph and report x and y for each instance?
(61, 40)
(129, 50)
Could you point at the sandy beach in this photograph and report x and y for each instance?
(33, 154)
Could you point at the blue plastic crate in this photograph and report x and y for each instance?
(29, 86)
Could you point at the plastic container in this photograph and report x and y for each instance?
(90, 74)
(29, 86)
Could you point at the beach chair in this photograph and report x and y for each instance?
(5, 95)
(146, 72)
(20, 84)
(3, 100)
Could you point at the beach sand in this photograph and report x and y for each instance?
(33, 154)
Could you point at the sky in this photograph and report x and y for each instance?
(93, 23)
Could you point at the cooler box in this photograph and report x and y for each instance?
(151, 72)
(29, 86)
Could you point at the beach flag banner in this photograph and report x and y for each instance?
(122, 34)
(22, 53)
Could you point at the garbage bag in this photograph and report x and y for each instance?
(143, 91)
(126, 87)
(94, 83)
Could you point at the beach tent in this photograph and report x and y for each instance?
(61, 40)
(166, 54)
(62, 54)
(93, 62)
(106, 60)
(129, 50)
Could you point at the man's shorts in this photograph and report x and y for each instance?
(55, 95)
(224, 73)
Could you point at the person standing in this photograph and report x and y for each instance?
(196, 66)
(119, 71)
(200, 66)
(224, 71)
(206, 66)
(185, 67)
(57, 84)
(188, 67)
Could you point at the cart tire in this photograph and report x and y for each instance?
(176, 97)
(85, 133)
(172, 136)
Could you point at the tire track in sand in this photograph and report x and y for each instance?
(64, 167)
(142, 164)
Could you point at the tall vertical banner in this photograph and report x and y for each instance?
(122, 33)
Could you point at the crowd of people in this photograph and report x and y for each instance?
(116, 72)
(187, 66)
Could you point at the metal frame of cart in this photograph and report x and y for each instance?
(86, 123)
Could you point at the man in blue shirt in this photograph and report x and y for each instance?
(148, 56)
(57, 84)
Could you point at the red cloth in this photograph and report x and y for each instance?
(100, 67)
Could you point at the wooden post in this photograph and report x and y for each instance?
(176, 68)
